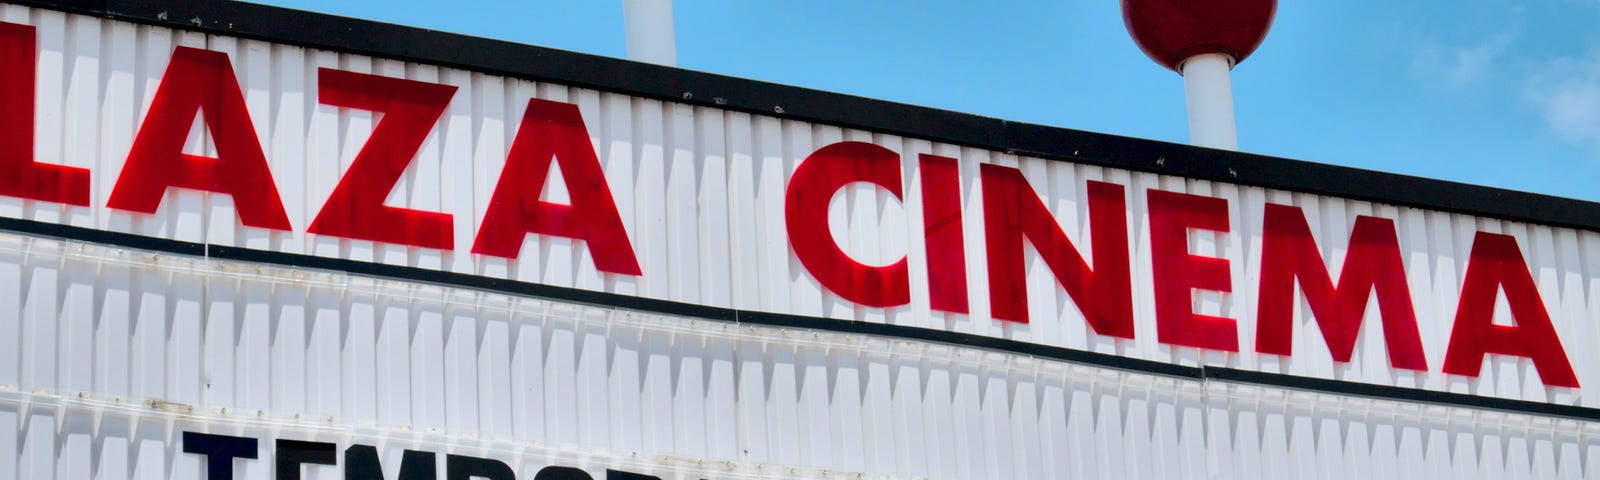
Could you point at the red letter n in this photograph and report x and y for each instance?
(1013, 212)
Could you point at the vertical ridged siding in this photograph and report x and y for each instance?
(271, 352)
(700, 192)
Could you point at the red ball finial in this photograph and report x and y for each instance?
(1170, 31)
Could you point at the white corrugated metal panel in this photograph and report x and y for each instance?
(177, 343)
(700, 192)
(701, 195)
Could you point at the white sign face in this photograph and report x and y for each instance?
(248, 146)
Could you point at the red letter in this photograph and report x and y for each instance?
(1496, 263)
(805, 210)
(943, 234)
(409, 110)
(554, 131)
(1013, 212)
(1178, 273)
(1371, 266)
(199, 82)
(20, 175)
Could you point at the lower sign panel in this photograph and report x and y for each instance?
(122, 363)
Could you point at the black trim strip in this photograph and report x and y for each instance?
(970, 340)
(328, 32)
(666, 307)
(1403, 394)
(90, 235)
(717, 91)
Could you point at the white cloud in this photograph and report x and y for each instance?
(1566, 92)
(1461, 66)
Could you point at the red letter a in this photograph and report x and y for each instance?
(554, 131)
(199, 82)
(20, 176)
(1496, 263)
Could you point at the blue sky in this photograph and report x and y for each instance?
(1500, 93)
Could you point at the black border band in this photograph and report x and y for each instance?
(377, 39)
(342, 34)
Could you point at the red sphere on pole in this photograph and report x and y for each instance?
(1171, 31)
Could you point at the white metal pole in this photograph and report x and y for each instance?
(1210, 99)
(649, 30)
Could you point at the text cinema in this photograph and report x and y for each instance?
(202, 83)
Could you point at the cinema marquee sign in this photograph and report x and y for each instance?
(1137, 265)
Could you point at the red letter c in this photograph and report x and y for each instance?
(806, 202)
